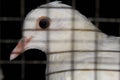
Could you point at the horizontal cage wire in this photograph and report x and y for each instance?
(25, 63)
(99, 19)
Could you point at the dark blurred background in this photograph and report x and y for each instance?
(104, 13)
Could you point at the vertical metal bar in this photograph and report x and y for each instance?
(0, 28)
(119, 53)
(0, 45)
(97, 7)
(72, 38)
(22, 12)
(1, 76)
(0, 38)
(48, 49)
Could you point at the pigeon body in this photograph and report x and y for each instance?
(75, 48)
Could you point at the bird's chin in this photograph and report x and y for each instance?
(34, 55)
(14, 54)
(25, 44)
(31, 54)
(17, 51)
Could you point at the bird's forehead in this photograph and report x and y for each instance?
(56, 16)
(51, 9)
(61, 16)
(53, 13)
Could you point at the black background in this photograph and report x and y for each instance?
(12, 30)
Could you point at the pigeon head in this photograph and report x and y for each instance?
(49, 28)
(77, 46)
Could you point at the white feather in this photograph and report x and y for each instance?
(84, 46)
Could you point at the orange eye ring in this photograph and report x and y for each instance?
(43, 22)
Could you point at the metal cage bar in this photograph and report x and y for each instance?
(97, 19)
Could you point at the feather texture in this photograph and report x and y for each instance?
(72, 43)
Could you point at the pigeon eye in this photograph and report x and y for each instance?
(44, 22)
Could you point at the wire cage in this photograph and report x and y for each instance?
(32, 64)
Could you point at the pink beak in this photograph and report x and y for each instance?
(19, 49)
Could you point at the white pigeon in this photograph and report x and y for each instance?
(75, 48)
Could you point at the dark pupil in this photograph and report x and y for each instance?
(44, 23)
